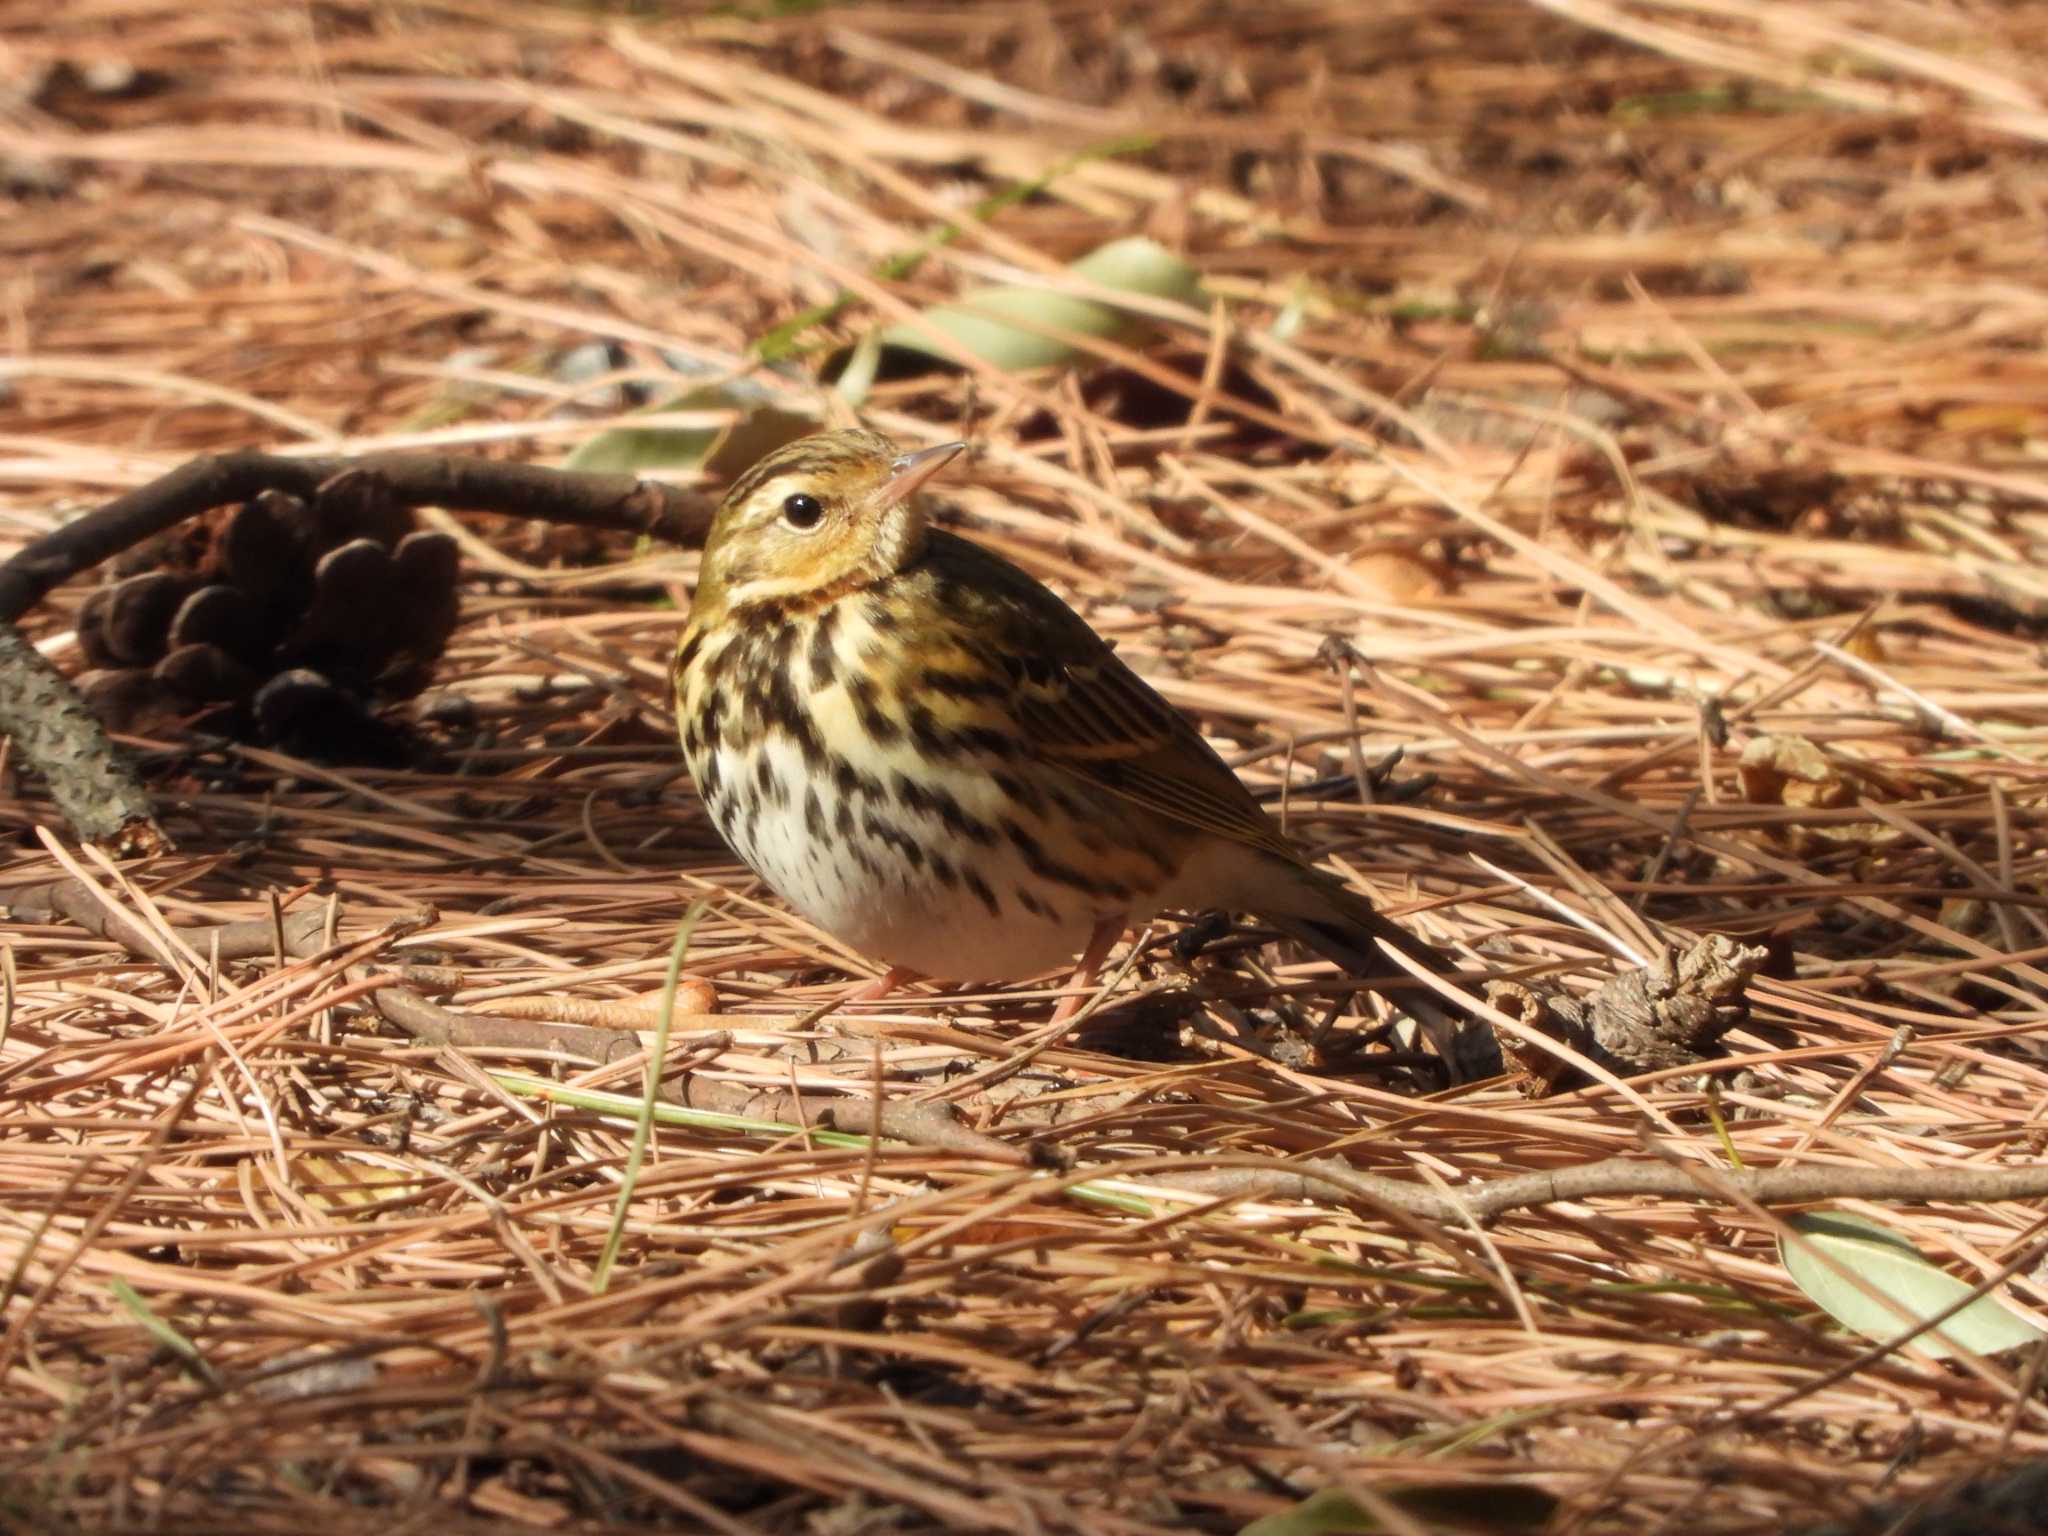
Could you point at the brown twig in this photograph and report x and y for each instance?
(459, 484)
(1322, 1179)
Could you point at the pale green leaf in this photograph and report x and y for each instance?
(752, 429)
(1293, 314)
(1892, 1267)
(857, 377)
(1007, 326)
(132, 1303)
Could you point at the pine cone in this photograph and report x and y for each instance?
(284, 621)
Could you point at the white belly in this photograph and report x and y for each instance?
(961, 864)
(893, 882)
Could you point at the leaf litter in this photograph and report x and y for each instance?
(1648, 398)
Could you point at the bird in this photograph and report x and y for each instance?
(925, 752)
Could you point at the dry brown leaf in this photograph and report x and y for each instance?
(1790, 770)
(1395, 577)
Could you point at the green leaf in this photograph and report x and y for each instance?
(1891, 1266)
(1001, 325)
(133, 1304)
(1008, 326)
(756, 429)
(1445, 1507)
(857, 373)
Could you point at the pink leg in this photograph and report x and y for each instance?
(1105, 935)
(882, 986)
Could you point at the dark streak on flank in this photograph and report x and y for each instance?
(852, 781)
(932, 739)
(892, 836)
(1087, 829)
(1021, 791)
(971, 877)
(814, 814)
(810, 743)
(738, 823)
(1055, 872)
(937, 800)
(779, 791)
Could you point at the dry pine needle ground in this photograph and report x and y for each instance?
(1703, 571)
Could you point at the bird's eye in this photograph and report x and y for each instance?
(801, 511)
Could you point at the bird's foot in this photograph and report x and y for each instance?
(1198, 935)
(1100, 942)
(865, 992)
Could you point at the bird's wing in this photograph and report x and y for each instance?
(1079, 709)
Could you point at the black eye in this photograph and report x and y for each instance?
(801, 511)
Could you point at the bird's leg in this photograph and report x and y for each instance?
(880, 987)
(868, 992)
(1105, 934)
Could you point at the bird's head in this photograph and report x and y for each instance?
(826, 514)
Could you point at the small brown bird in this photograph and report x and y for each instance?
(938, 762)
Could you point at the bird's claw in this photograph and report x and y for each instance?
(1198, 935)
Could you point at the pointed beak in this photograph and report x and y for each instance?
(913, 469)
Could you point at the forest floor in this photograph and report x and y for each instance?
(1654, 398)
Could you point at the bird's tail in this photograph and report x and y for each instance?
(1323, 913)
(1337, 922)
(1320, 910)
